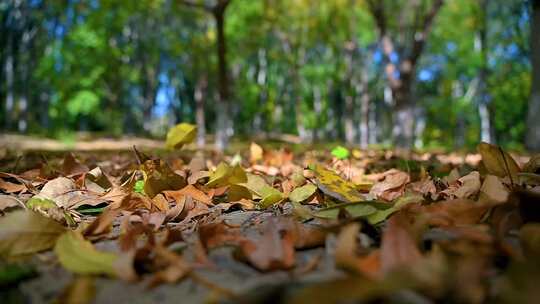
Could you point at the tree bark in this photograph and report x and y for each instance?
(532, 140)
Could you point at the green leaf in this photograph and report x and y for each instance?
(13, 273)
(79, 256)
(91, 211)
(27, 232)
(180, 134)
(357, 209)
(335, 186)
(40, 203)
(139, 187)
(301, 194)
(258, 186)
(340, 152)
(383, 214)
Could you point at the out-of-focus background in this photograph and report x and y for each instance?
(408, 73)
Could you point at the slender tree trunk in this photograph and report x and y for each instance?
(350, 133)
(372, 125)
(223, 82)
(483, 108)
(533, 123)
(317, 109)
(364, 108)
(200, 96)
(260, 78)
(10, 89)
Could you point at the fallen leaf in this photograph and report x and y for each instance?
(335, 186)
(9, 187)
(179, 135)
(102, 225)
(355, 210)
(465, 187)
(497, 161)
(26, 232)
(346, 256)
(493, 190)
(193, 192)
(272, 250)
(158, 176)
(79, 256)
(301, 194)
(398, 245)
(7, 202)
(258, 186)
(225, 175)
(64, 193)
(392, 186)
(255, 153)
(175, 267)
(81, 290)
(71, 166)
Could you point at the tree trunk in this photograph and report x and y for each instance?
(200, 96)
(403, 118)
(223, 81)
(10, 94)
(483, 109)
(533, 123)
(364, 108)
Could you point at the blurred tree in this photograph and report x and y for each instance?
(533, 123)
(403, 39)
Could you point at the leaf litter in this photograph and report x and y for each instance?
(343, 225)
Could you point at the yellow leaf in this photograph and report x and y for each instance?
(301, 194)
(79, 256)
(180, 134)
(256, 185)
(335, 186)
(226, 175)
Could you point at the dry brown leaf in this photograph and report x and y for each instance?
(493, 190)
(398, 245)
(455, 212)
(392, 186)
(174, 268)
(191, 191)
(346, 253)
(465, 187)
(10, 187)
(102, 225)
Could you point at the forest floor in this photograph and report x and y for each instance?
(264, 224)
